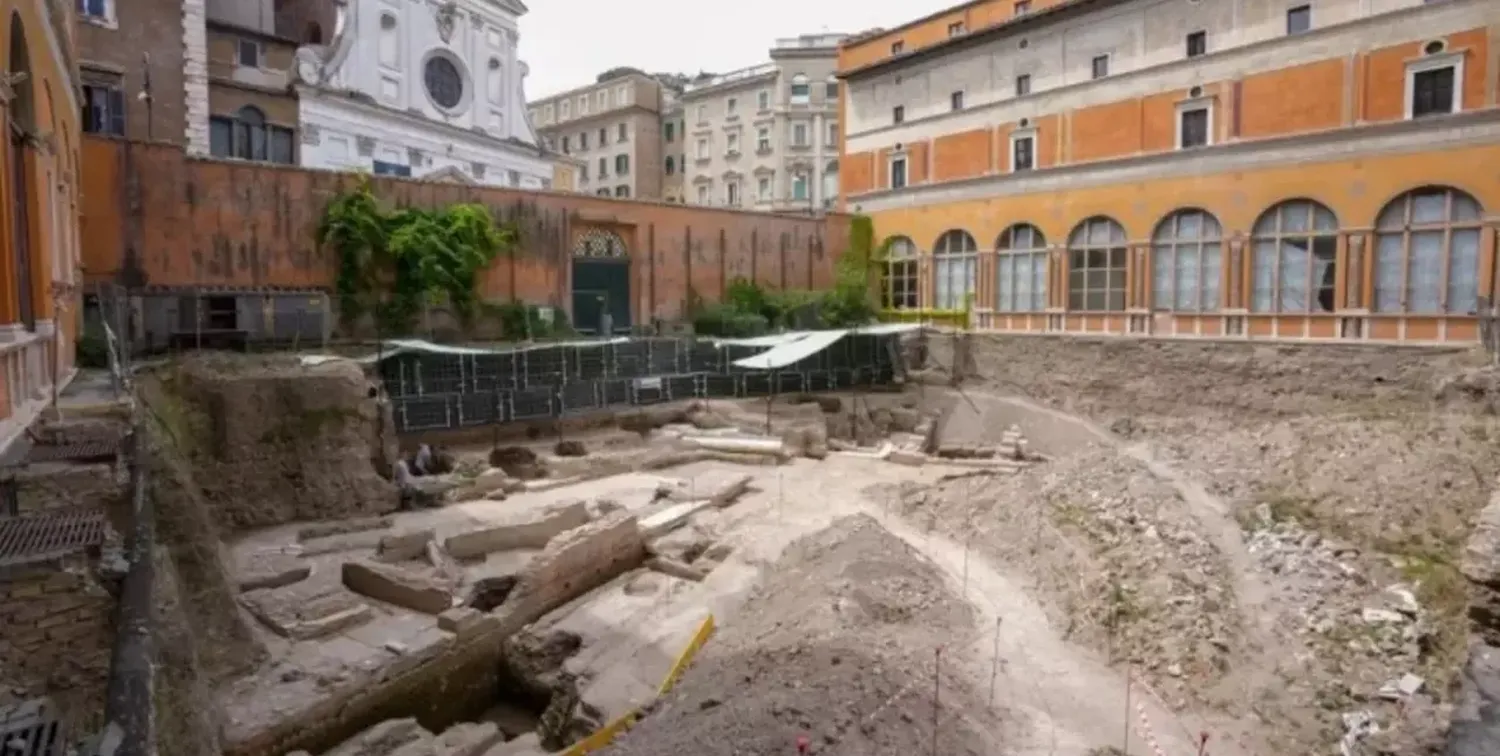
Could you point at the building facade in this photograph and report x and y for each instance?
(1308, 169)
(251, 47)
(673, 146)
(133, 68)
(614, 126)
(766, 137)
(419, 89)
(39, 232)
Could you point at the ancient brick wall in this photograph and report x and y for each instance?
(58, 636)
(152, 216)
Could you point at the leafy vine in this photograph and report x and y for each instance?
(394, 263)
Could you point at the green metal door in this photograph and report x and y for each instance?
(601, 286)
(601, 282)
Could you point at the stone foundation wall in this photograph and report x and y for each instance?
(58, 636)
(460, 681)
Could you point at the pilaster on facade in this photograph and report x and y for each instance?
(195, 75)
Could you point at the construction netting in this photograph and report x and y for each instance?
(436, 387)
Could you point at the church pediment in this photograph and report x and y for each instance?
(449, 175)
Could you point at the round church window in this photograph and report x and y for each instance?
(445, 85)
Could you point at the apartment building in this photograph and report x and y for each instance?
(1281, 169)
(213, 75)
(766, 137)
(613, 126)
(673, 145)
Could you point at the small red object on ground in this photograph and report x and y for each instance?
(803, 743)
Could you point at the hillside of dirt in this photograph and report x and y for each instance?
(835, 646)
(1279, 525)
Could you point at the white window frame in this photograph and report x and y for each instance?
(1188, 106)
(731, 104)
(805, 141)
(806, 187)
(1454, 60)
(1109, 65)
(583, 105)
(763, 100)
(1016, 136)
(832, 134)
(547, 114)
(705, 195)
(732, 196)
(601, 100)
(702, 114)
(622, 95)
(110, 20)
(763, 139)
(239, 56)
(732, 143)
(705, 147)
(890, 170)
(763, 189)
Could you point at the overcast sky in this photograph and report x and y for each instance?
(569, 42)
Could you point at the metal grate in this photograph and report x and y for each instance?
(49, 535)
(31, 728)
(93, 450)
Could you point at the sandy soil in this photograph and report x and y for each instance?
(1329, 488)
(1053, 696)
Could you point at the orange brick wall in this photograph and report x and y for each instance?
(1296, 100)
(154, 217)
(1293, 100)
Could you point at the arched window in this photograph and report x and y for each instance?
(1021, 269)
(1294, 248)
(899, 289)
(1096, 266)
(955, 259)
(1427, 252)
(1186, 261)
(800, 90)
(246, 136)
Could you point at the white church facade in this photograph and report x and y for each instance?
(422, 88)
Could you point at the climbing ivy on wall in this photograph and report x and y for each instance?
(392, 263)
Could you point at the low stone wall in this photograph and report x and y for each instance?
(459, 682)
(58, 633)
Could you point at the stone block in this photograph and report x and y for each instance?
(403, 546)
(674, 568)
(460, 620)
(468, 739)
(575, 563)
(383, 738)
(907, 457)
(532, 533)
(305, 614)
(394, 585)
(272, 570)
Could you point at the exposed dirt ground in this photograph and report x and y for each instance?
(826, 650)
(1272, 531)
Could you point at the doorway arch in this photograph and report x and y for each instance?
(22, 126)
(601, 282)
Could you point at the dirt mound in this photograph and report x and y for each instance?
(272, 441)
(1114, 553)
(837, 645)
